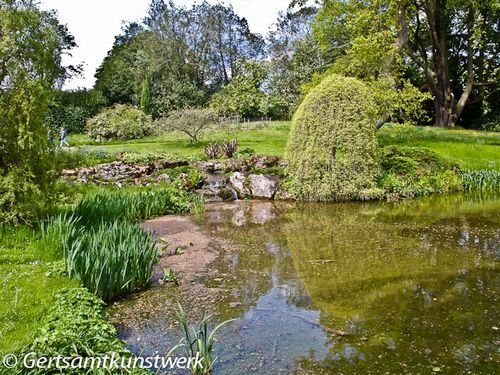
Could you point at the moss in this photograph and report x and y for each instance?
(332, 151)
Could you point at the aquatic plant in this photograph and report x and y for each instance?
(113, 259)
(481, 179)
(199, 340)
(131, 204)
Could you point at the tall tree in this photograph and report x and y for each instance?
(31, 45)
(430, 36)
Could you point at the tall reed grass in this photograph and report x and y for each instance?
(481, 179)
(131, 204)
(111, 259)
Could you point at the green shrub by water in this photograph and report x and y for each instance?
(416, 171)
(481, 179)
(76, 326)
(332, 150)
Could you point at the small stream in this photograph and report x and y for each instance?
(354, 288)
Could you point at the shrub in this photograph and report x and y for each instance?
(229, 148)
(414, 171)
(332, 150)
(191, 121)
(212, 150)
(76, 326)
(121, 122)
(73, 118)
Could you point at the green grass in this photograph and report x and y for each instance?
(27, 290)
(471, 149)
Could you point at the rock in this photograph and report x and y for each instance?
(263, 186)
(283, 195)
(227, 194)
(237, 165)
(237, 181)
(234, 305)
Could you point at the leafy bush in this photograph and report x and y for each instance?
(120, 122)
(72, 118)
(414, 171)
(229, 148)
(245, 153)
(481, 179)
(76, 326)
(191, 121)
(332, 150)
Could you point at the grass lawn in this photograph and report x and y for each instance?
(27, 290)
(472, 149)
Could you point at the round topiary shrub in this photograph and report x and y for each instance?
(332, 151)
(121, 122)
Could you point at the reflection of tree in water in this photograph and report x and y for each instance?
(407, 293)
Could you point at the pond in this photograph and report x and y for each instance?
(352, 288)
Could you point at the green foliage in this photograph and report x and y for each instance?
(332, 151)
(243, 95)
(131, 204)
(119, 122)
(187, 177)
(146, 97)
(191, 121)
(72, 118)
(76, 326)
(29, 70)
(415, 171)
(481, 179)
(112, 260)
(199, 340)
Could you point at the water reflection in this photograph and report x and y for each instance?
(358, 288)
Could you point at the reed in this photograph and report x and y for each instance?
(484, 179)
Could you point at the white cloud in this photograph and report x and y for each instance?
(95, 23)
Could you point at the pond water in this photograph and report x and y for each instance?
(356, 288)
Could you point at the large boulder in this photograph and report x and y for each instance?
(263, 186)
(238, 182)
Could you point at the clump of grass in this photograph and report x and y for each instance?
(131, 204)
(114, 259)
(199, 340)
(481, 179)
(111, 259)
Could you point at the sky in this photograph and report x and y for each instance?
(95, 23)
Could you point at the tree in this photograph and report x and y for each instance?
(448, 47)
(332, 150)
(31, 45)
(191, 121)
(294, 57)
(146, 97)
(186, 54)
(243, 96)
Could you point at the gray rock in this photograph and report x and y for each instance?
(238, 180)
(263, 186)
